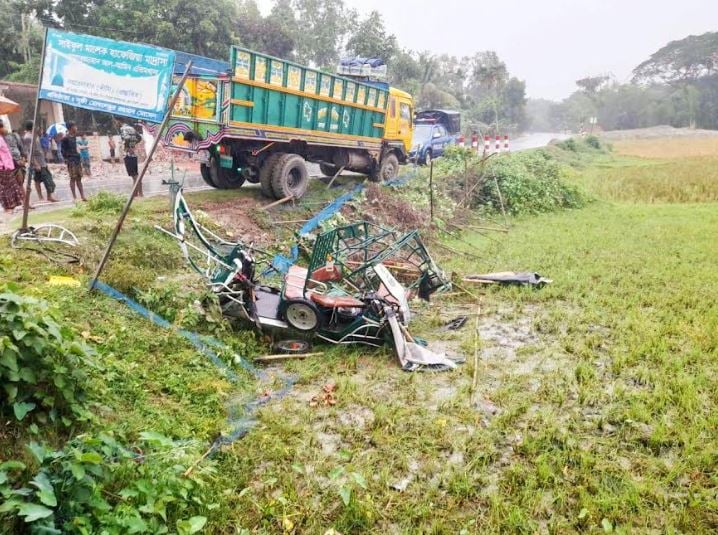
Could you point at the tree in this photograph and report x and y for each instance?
(324, 29)
(369, 39)
(684, 60)
(591, 84)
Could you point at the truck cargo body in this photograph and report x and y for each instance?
(263, 106)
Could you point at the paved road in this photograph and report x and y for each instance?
(193, 181)
(535, 140)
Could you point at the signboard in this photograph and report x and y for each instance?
(95, 73)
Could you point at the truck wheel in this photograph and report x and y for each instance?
(289, 177)
(328, 170)
(388, 169)
(265, 174)
(204, 171)
(224, 178)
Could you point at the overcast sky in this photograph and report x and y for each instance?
(547, 43)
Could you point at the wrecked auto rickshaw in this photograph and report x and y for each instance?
(347, 293)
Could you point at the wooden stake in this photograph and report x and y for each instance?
(339, 172)
(196, 463)
(475, 382)
(285, 356)
(280, 201)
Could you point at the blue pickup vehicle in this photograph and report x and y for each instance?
(434, 130)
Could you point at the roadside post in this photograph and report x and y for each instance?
(145, 165)
(36, 117)
(431, 189)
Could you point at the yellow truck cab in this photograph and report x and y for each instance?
(398, 123)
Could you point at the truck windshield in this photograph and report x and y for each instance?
(422, 134)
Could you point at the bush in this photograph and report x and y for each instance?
(569, 144)
(594, 142)
(42, 365)
(530, 183)
(104, 202)
(96, 485)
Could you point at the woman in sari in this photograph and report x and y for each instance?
(10, 191)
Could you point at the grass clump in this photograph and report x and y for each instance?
(104, 202)
(529, 183)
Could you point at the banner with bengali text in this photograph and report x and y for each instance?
(127, 79)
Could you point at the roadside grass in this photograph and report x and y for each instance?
(639, 180)
(596, 398)
(668, 148)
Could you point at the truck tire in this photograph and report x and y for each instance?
(265, 174)
(224, 178)
(387, 170)
(204, 171)
(289, 177)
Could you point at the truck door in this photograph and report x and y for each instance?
(391, 123)
(405, 128)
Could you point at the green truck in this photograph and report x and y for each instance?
(263, 118)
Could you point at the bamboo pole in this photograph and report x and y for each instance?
(137, 183)
(28, 178)
(280, 201)
(285, 356)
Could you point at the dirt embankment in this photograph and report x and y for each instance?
(656, 132)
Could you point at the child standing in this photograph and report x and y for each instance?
(83, 146)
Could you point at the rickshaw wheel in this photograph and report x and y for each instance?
(291, 346)
(302, 315)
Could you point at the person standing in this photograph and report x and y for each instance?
(84, 145)
(10, 191)
(45, 143)
(17, 150)
(111, 143)
(38, 164)
(130, 139)
(68, 148)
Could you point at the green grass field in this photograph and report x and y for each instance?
(595, 407)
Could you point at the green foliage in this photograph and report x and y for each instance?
(105, 202)
(190, 307)
(42, 365)
(95, 484)
(686, 59)
(530, 183)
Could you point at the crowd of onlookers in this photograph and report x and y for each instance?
(71, 148)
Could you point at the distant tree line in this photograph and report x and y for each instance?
(677, 86)
(316, 32)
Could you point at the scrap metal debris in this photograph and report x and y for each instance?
(456, 323)
(48, 239)
(509, 278)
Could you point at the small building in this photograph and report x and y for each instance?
(24, 94)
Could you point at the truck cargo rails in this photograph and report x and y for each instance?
(264, 118)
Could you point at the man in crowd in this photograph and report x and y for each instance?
(130, 138)
(38, 164)
(68, 148)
